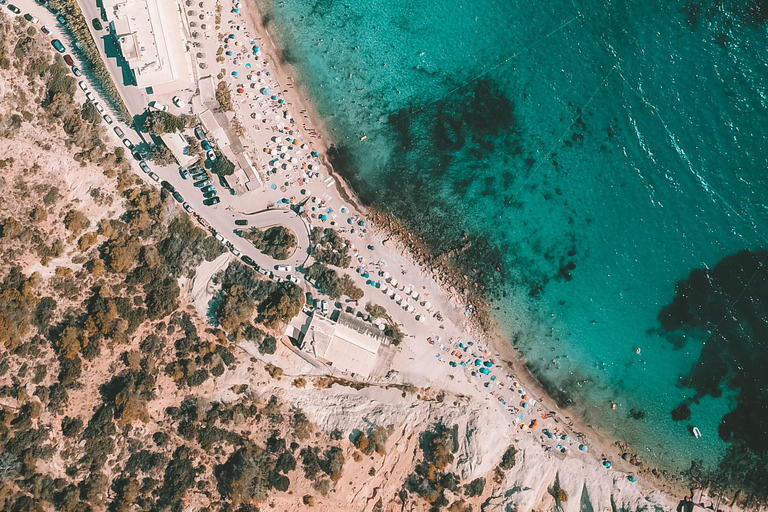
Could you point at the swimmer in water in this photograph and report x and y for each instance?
(637, 351)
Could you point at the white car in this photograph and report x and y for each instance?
(158, 106)
(279, 279)
(324, 306)
(211, 155)
(219, 238)
(83, 85)
(188, 207)
(154, 176)
(99, 107)
(144, 166)
(293, 279)
(107, 119)
(179, 102)
(283, 268)
(90, 97)
(235, 251)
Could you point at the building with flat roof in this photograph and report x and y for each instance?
(151, 39)
(346, 344)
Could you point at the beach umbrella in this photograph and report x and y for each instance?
(234, 73)
(398, 298)
(393, 282)
(631, 478)
(410, 308)
(385, 275)
(384, 288)
(415, 295)
(583, 447)
(488, 364)
(478, 362)
(427, 305)
(525, 406)
(607, 464)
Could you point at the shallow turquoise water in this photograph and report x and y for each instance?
(610, 136)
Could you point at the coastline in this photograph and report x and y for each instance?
(452, 282)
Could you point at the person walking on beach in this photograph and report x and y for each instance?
(686, 505)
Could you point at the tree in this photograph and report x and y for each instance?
(162, 156)
(277, 242)
(222, 166)
(375, 310)
(235, 309)
(508, 459)
(223, 96)
(268, 345)
(160, 123)
(334, 462)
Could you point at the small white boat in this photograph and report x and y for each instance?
(696, 432)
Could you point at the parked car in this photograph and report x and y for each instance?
(158, 106)
(293, 279)
(45, 30)
(202, 183)
(212, 201)
(309, 301)
(97, 24)
(31, 18)
(59, 47)
(211, 155)
(210, 194)
(154, 176)
(249, 261)
(144, 167)
(127, 143)
(184, 173)
(241, 222)
(179, 102)
(98, 107)
(207, 189)
(197, 176)
(83, 85)
(177, 197)
(188, 207)
(283, 268)
(119, 132)
(14, 9)
(76, 71)
(199, 133)
(90, 97)
(167, 186)
(68, 60)
(234, 251)
(205, 144)
(265, 272)
(107, 119)
(324, 307)
(137, 156)
(62, 21)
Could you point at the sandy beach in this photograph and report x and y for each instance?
(459, 337)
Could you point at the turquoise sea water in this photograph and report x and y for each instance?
(595, 152)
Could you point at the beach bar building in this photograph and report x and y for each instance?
(347, 344)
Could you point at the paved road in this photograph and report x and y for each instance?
(220, 217)
(134, 97)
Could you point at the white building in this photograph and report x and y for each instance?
(151, 39)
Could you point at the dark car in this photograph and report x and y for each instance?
(241, 222)
(68, 60)
(45, 30)
(210, 194)
(199, 133)
(167, 186)
(76, 71)
(212, 201)
(178, 197)
(207, 189)
(206, 145)
(249, 261)
(201, 183)
(97, 24)
(57, 44)
(14, 9)
(137, 156)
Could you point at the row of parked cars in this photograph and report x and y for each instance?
(201, 181)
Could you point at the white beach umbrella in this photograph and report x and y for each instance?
(410, 308)
(427, 305)
(393, 282)
(384, 288)
(398, 298)
(415, 295)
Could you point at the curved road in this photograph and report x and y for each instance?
(267, 218)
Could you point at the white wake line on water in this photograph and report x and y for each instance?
(581, 111)
(684, 157)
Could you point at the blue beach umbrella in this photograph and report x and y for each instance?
(525, 406)
(631, 478)
(607, 464)
(488, 364)
(234, 73)
(583, 447)
(265, 90)
(478, 362)
(273, 186)
(231, 36)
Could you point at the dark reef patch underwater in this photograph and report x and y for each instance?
(726, 310)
